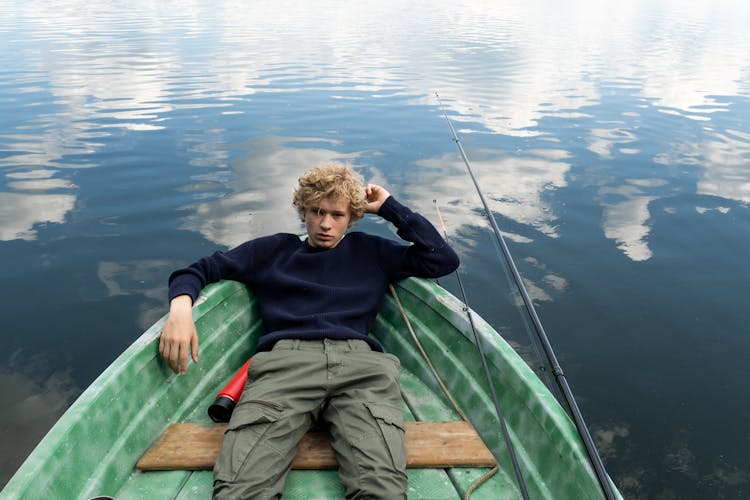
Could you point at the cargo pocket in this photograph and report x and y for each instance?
(390, 420)
(394, 359)
(249, 423)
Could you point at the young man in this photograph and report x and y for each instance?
(318, 299)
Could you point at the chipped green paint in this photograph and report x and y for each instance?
(93, 448)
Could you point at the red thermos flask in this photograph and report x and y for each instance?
(221, 409)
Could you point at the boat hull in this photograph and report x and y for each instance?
(93, 448)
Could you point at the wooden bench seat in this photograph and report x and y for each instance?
(189, 446)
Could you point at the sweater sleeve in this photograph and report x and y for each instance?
(220, 265)
(237, 264)
(429, 255)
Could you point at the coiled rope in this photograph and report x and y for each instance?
(445, 390)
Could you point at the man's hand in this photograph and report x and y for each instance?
(376, 196)
(179, 337)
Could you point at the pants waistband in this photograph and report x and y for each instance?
(322, 345)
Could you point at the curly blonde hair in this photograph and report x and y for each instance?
(334, 181)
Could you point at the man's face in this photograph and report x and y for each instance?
(327, 223)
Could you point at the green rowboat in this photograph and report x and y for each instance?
(93, 448)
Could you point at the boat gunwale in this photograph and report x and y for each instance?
(438, 300)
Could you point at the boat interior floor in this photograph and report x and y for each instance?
(420, 404)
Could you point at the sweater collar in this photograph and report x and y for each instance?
(313, 249)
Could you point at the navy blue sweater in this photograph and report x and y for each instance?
(309, 293)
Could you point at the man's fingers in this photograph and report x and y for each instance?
(179, 355)
(183, 360)
(172, 355)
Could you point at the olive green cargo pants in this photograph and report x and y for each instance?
(342, 383)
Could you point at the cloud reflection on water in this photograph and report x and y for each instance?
(138, 277)
(625, 220)
(498, 65)
(723, 158)
(22, 213)
(514, 187)
(31, 405)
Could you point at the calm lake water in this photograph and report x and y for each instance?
(610, 138)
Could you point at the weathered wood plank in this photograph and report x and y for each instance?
(428, 444)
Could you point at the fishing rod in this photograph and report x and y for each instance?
(478, 341)
(580, 424)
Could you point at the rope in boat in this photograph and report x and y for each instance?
(480, 348)
(425, 356)
(445, 390)
(583, 431)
